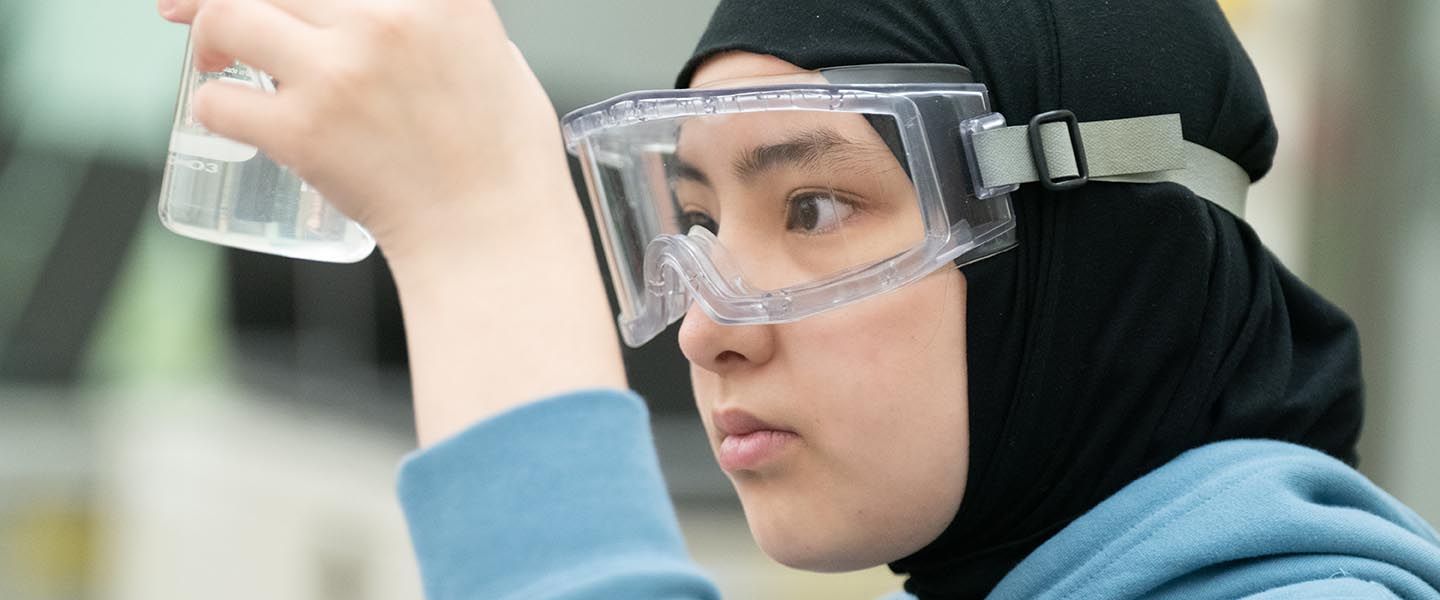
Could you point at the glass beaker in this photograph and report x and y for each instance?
(222, 191)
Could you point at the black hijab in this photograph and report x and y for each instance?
(1132, 322)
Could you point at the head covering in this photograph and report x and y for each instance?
(1132, 322)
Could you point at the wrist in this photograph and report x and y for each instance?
(494, 222)
(501, 306)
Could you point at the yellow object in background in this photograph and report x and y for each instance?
(1236, 10)
(47, 547)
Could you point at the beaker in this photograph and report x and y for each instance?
(223, 191)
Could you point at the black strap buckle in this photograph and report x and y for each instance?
(1037, 151)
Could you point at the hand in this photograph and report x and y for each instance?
(405, 114)
(421, 120)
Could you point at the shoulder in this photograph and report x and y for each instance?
(1235, 519)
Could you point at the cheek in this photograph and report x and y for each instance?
(883, 386)
(905, 343)
(884, 379)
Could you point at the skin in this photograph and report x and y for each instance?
(456, 204)
(872, 390)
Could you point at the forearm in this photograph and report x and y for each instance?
(455, 164)
(503, 304)
(561, 498)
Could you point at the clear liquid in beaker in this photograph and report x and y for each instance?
(223, 191)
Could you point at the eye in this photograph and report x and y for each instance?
(691, 218)
(815, 213)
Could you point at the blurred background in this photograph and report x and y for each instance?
(178, 420)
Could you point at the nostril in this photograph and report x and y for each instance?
(728, 356)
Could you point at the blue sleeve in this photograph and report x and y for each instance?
(1336, 588)
(561, 498)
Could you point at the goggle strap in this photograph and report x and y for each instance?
(1135, 150)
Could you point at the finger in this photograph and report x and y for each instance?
(179, 11)
(315, 12)
(255, 33)
(247, 115)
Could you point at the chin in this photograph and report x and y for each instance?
(798, 554)
(803, 539)
(826, 527)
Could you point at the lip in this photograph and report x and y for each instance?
(736, 421)
(747, 441)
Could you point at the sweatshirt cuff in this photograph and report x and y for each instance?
(562, 490)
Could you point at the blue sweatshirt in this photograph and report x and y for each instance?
(563, 498)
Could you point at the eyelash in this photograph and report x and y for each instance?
(693, 217)
(791, 203)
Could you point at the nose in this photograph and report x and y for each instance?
(724, 349)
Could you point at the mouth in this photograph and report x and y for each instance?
(747, 442)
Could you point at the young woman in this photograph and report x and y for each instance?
(1047, 420)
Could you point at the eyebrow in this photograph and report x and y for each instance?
(684, 170)
(801, 150)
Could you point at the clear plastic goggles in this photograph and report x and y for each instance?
(784, 197)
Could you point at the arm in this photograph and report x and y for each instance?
(557, 498)
(420, 120)
(495, 322)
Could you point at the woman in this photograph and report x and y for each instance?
(1038, 422)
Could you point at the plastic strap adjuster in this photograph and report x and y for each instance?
(1042, 164)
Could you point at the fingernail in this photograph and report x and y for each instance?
(167, 7)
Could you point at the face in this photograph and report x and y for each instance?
(845, 434)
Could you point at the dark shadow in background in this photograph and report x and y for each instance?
(47, 344)
(360, 323)
(313, 332)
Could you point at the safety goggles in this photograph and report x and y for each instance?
(773, 199)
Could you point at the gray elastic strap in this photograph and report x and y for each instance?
(1137, 150)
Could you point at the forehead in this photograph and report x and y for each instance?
(723, 133)
(745, 145)
(719, 136)
(739, 64)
